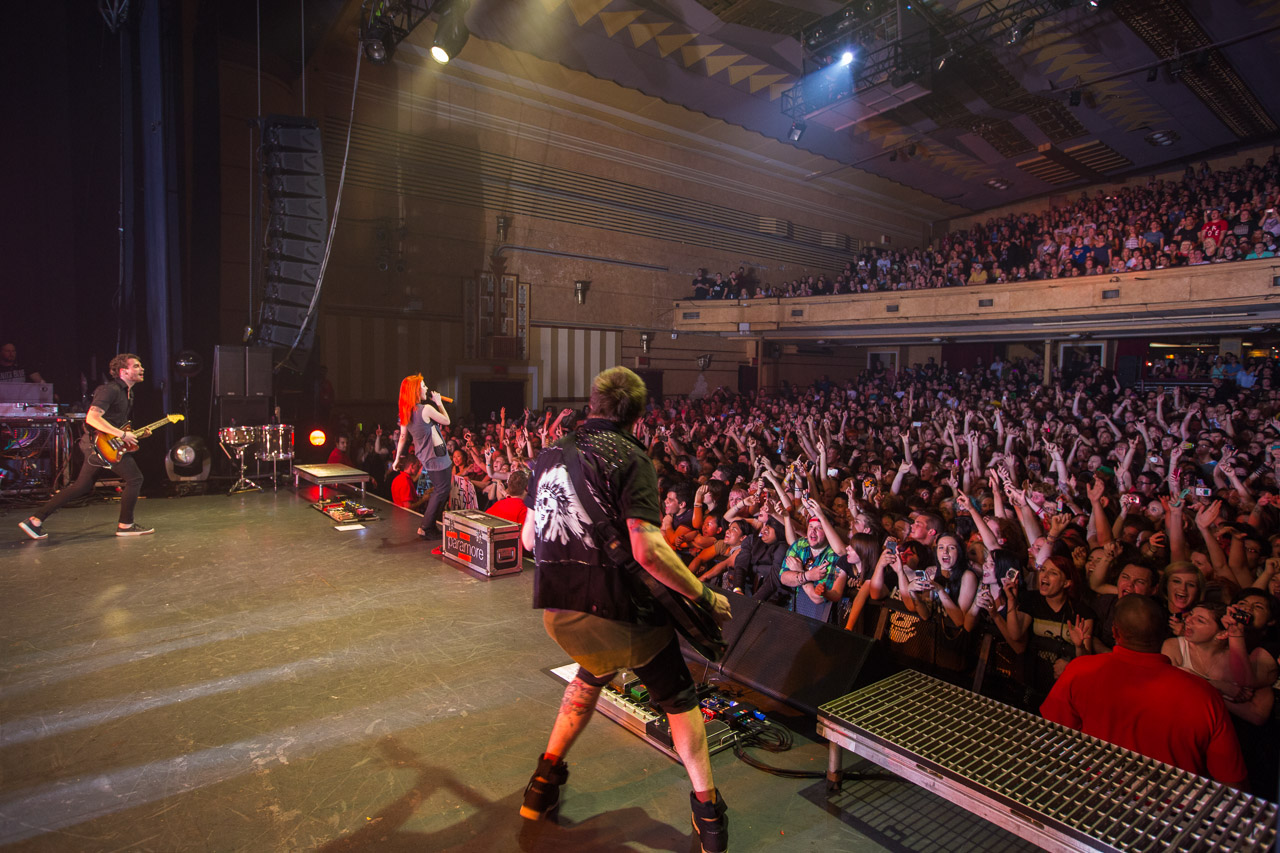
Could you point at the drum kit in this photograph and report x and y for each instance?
(274, 443)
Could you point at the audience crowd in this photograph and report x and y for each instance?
(974, 504)
(1207, 217)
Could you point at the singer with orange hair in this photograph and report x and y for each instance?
(422, 421)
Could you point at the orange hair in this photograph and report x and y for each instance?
(410, 396)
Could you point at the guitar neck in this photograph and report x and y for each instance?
(149, 427)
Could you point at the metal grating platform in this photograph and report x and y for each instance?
(1062, 789)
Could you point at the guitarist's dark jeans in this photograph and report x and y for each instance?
(126, 469)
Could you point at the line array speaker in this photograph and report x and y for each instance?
(292, 165)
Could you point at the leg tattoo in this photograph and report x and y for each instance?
(579, 699)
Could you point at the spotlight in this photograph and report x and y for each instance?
(846, 58)
(941, 61)
(451, 33)
(376, 51)
(580, 288)
(1073, 97)
(797, 130)
(317, 438)
(1020, 30)
(645, 340)
(1153, 74)
(376, 39)
(188, 460)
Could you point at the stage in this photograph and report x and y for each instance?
(250, 678)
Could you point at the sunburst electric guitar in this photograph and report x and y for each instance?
(113, 448)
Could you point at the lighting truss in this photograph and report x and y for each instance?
(391, 21)
(908, 57)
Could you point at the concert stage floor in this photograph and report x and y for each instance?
(250, 679)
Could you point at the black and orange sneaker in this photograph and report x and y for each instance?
(542, 794)
(711, 824)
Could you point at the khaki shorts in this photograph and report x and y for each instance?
(602, 646)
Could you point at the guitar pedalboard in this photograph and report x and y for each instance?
(626, 701)
(345, 511)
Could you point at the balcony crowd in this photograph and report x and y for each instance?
(1207, 217)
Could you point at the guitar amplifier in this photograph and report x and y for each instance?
(482, 542)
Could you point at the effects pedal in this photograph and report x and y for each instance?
(625, 700)
(343, 511)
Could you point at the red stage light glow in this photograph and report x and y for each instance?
(317, 437)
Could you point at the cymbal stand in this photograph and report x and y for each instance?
(244, 484)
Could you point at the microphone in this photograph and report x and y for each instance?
(443, 398)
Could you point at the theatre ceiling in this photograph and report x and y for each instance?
(973, 104)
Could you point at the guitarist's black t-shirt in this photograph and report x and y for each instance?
(116, 402)
(570, 574)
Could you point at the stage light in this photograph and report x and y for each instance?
(1020, 30)
(797, 130)
(375, 50)
(189, 459)
(846, 58)
(451, 33)
(580, 288)
(1153, 74)
(376, 40)
(1073, 97)
(317, 438)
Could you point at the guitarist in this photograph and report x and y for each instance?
(591, 607)
(108, 413)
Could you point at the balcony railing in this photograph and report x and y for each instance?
(1222, 298)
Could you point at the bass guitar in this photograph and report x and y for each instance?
(112, 448)
(691, 620)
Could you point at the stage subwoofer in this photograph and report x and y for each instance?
(228, 371)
